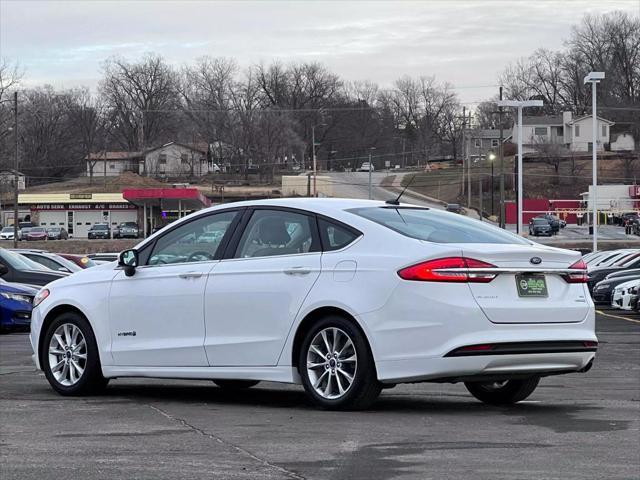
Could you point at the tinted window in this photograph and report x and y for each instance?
(100, 227)
(335, 237)
(195, 241)
(437, 226)
(275, 232)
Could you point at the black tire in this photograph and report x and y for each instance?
(512, 391)
(365, 387)
(236, 384)
(91, 380)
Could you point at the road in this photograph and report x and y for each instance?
(579, 426)
(356, 185)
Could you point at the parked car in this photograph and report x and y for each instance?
(454, 208)
(603, 290)
(104, 257)
(16, 303)
(323, 292)
(7, 233)
(23, 232)
(57, 233)
(599, 273)
(126, 230)
(366, 166)
(540, 226)
(610, 258)
(36, 233)
(82, 261)
(554, 222)
(563, 223)
(99, 230)
(50, 260)
(16, 268)
(625, 295)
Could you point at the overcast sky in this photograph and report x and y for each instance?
(466, 43)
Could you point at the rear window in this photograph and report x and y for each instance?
(437, 226)
(100, 227)
(540, 221)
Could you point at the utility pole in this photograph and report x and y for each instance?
(313, 151)
(480, 195)
(370, 168)
(469, 169)
(501, 146)
(16, 177)
(464, 143)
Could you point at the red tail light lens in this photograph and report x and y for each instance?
(451, 269)
(581, 273)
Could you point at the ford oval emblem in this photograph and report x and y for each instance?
(536, 260)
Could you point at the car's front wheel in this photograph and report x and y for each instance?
(70, 359)
(502, 393)
(336, 366)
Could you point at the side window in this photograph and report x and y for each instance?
(275, 232)
(196, 241)
(335, 237)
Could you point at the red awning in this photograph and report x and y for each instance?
(191, 198)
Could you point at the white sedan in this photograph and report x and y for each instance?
(624, 293)
(343, 296)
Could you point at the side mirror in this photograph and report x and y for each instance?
(3, 269)
(128, 260)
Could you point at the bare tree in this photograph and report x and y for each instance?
(143, 97)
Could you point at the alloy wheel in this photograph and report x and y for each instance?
(331, 363)
(67, 354)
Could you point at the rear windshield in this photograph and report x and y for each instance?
(540, 221)
(437, 226)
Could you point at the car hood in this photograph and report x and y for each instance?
(19, 288)
(99, 273)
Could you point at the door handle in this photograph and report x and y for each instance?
(187, 275)
(297, 271)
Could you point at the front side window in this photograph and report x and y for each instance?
(437, 226)
(276, 232)
(195, 241)
(335, 237)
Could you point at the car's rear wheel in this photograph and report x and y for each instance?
(70, 359)
(236, 384)
(502, 393)
(336, 366)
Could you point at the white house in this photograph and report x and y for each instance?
(174, 160)
(169, 160)
(573, 133)
(112, 164)
(8, 178)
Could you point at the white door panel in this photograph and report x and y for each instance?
(157, 315)
(250, 305)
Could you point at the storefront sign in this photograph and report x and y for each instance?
(83, 206)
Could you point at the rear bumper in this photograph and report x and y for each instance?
(452, 369)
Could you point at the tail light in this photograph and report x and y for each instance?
(581, 273)
(451, 269)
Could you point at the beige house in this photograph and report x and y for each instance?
(575, 134)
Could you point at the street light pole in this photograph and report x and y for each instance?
(594, 78)
(370, 165)
(16, 177)
(520, 105)
(313, 150)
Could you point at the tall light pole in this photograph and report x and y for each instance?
(16, 177)
(594, 78)
(520, 105)
(492, 158)
(370, 168)
(313, 150)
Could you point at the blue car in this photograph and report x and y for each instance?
(16, 301)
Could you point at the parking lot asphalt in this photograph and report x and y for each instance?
(578, 426)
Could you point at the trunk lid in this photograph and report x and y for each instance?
(502, 300)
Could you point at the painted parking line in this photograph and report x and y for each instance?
(617, 316)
